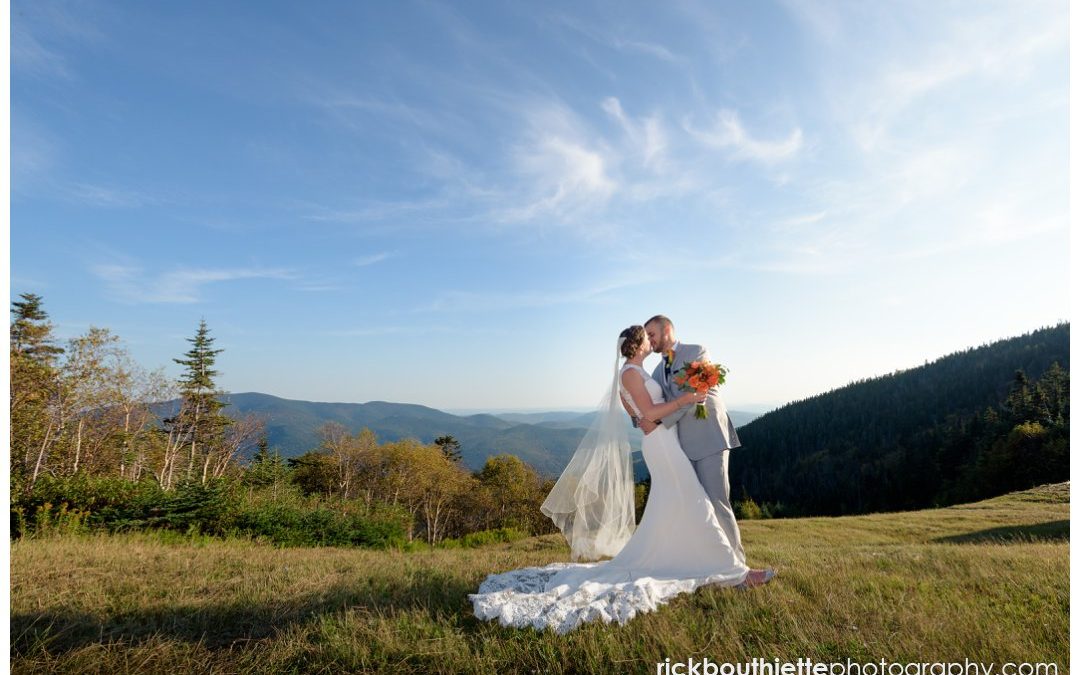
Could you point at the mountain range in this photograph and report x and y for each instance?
(545, 440)
(859, 428)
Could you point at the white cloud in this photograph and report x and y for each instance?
(458, 301)
(952, 127)
(355, 112)
(559, 173)
(317, 287)
(648, 137)
(819, 16)
(728, 133)
(28, 55)
(903, 74)
(42, 31)
(366, 260)
(97, 195)
(799, 224)
(128, 283)
(34, 153)
(375, 211)
(618, 42)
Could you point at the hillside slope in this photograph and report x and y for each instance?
(917, 437)
(987, 581)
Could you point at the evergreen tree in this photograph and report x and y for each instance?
(262, 453)
(31, 331)
(1019, 403)
(36, 419)
(266, 468)
(450, 447)
(200, 419)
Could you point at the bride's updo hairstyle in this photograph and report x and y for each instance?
(635, 336)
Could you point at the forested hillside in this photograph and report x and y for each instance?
(969, 425)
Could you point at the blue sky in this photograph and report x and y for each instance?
(462, 204)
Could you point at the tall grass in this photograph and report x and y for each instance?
(985, 581)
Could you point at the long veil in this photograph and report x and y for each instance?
(592, 503)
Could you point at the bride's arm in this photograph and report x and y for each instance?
(649, 410)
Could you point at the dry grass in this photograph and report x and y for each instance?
(985, 581)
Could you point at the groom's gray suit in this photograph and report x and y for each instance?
(706, 442)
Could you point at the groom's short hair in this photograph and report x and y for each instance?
(661, 319)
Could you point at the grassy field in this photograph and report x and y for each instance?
(988, 582)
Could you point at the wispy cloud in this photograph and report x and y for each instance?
(29, 56)
(374, 210)
(728, 133)
(387, 329)
(569, 175)
(366, 331)
(357, 112)
(901, 70)
(42, 31)
(131, 284)
(108, 197)
(364, 261)
(34, 153)
(822, 18)
(616, 41)
(469, 301)
(647, 136)
(932, 155)
(562, 172)
(317, 287)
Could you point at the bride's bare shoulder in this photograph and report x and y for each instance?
(631, 372)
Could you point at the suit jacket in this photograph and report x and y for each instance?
(698, 438)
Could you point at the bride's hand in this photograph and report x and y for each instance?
(694, 397)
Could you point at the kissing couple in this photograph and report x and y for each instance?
(687, 537)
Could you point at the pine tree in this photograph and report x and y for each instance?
(36, 419)
(31, 331)
(266, 468)
(1019, 401)
(200, 418)
(450, 446)
(262, 454)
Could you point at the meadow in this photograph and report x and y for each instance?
(987, 582)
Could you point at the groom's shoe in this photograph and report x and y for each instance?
(757, 578)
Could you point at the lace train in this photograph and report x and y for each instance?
(577, 594)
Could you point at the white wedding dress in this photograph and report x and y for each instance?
(677, 547)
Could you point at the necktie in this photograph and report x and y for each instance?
(669, 358)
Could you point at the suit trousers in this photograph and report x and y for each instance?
(712, 471)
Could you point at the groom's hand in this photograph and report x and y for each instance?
(647, 426)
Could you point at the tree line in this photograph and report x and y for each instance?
(87, 407)
(86, 442)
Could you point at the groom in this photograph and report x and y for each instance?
(705, 441)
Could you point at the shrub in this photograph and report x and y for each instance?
(747, 509)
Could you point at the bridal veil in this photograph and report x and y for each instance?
(592, 503)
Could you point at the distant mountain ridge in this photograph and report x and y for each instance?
(817, 438)
(545, 440)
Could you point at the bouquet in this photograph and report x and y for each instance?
(700, 376)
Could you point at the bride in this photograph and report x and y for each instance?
(678, 547)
